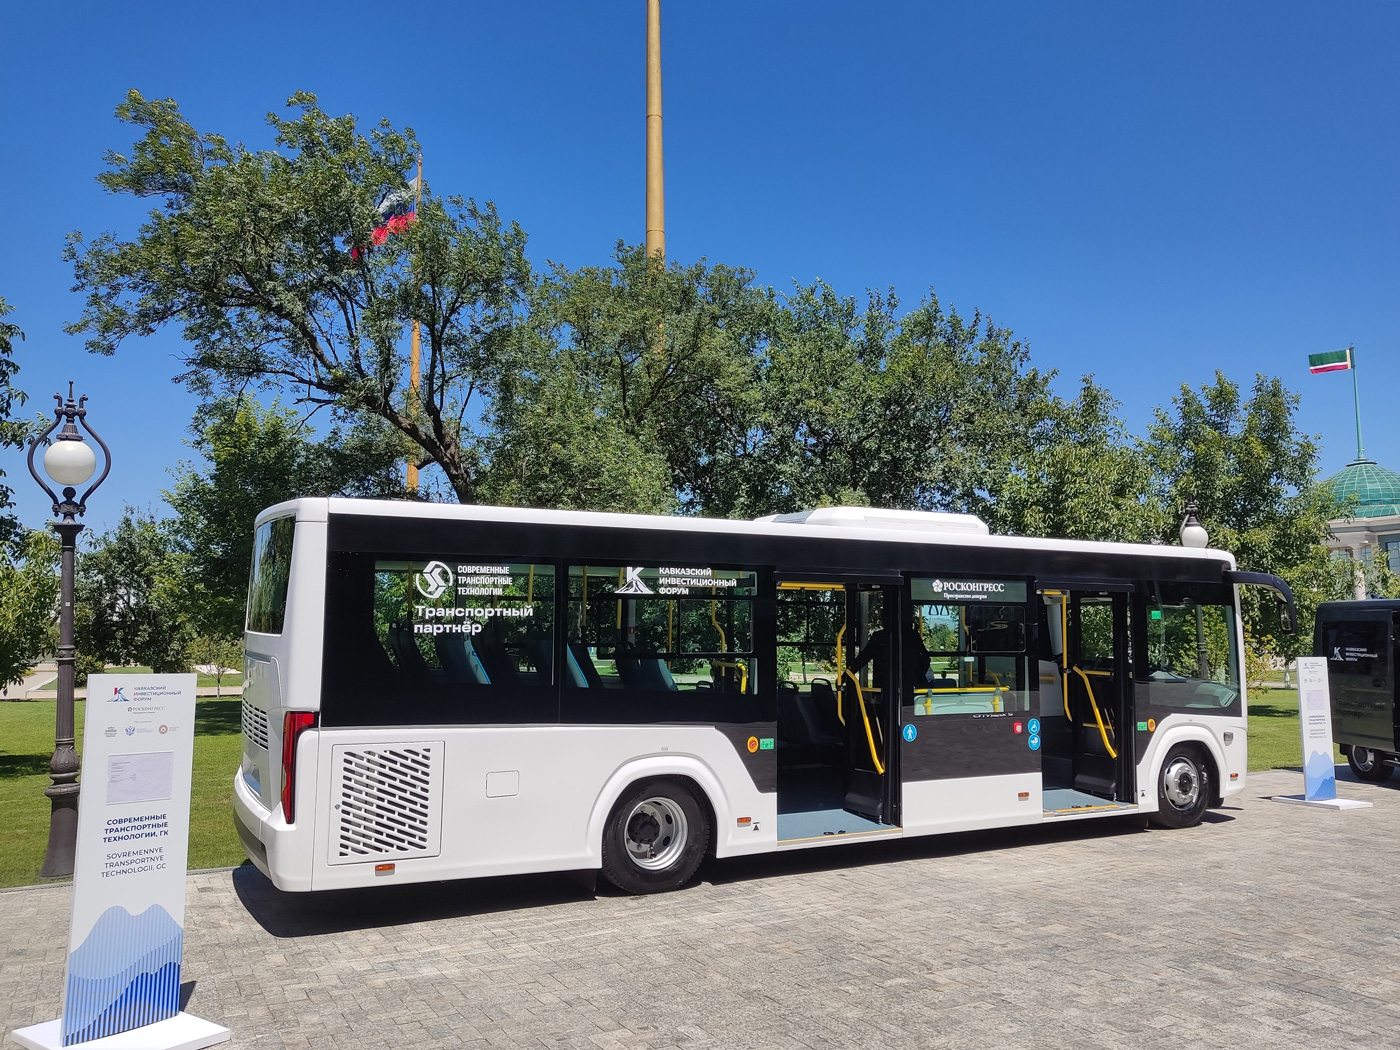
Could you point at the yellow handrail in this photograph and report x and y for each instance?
(869, 736)
(840, 671)
(1097, 717)
(741, 667)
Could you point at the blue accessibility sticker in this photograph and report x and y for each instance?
(1034, 741)
(1033, 726)
(910, 732)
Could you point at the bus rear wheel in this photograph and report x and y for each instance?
(1368, 765)
(1183, 788)
(655, 838)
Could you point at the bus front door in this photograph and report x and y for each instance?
(1099, 694)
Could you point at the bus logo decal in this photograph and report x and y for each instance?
(634, 584)
(434, 580)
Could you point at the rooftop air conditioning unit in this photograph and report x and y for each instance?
(878, 518)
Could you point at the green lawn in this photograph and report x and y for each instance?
(1275, 738)
(205, 680)
(26, 743)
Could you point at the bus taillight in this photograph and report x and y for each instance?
(292, 725)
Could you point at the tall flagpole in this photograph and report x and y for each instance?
(1356, 400)
(656, 176)
(414, 352)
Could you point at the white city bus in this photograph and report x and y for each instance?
(440, 692)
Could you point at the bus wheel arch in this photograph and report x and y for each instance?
(656, 834)
(1185, 784)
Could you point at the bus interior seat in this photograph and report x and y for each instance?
(644, 671)
(823, 701)
(460, 660)
(943, 683)
(584, 662)
(407, 654)
(500, 665)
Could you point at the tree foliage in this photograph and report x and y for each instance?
(28, 603)
(13, 432)
(255, 457)
(250, 251)
(130, 606)
(1253, 475)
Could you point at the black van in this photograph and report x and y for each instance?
(1359, 641)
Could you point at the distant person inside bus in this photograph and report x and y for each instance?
(916, 657)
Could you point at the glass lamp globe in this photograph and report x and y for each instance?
(70, 462)
(1193, 535)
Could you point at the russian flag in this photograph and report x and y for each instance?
(396, 212)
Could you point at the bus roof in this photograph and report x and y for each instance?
(895, 527)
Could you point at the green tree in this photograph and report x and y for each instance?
(255, 457)
(13, 432)
(28, 603)
(1253, 475)
(219, 654)
(1080, 475)
(264, 258)
(634, 390)
(129, 602)
(865, 405)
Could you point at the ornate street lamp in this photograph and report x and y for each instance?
(69, 461)
(1193, 534)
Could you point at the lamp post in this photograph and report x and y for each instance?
(69, 461)
(1193, 534)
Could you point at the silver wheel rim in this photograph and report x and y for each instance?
(655, 833)
(1365, 758)
(1182, 783)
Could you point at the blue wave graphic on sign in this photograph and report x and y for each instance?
(1319, 777)
(125, 974)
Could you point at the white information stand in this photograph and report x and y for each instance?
(127, 929)
(1315, 716)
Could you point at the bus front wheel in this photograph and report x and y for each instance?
(1368, 765)
(1183, 788)
(655, 837)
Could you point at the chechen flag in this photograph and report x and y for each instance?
(396, 212)
(1332, 361)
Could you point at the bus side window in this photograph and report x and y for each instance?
(659, 644)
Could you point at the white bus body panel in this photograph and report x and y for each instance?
(511, 799)
(971, 803)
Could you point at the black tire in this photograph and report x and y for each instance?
(1184, 789)
(655, 838)
(1368, 764)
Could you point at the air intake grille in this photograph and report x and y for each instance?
(386, 801)
(254, 725)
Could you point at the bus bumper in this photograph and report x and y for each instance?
(271, 845)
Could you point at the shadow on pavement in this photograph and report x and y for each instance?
(338, 911)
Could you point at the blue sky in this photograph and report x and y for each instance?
(1145, 192)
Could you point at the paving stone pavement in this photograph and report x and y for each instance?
(1266, 926)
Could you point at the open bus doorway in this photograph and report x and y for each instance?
(1085, 701)
(837, 684)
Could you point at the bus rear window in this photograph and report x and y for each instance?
(272, 568)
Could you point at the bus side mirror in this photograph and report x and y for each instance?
(1287, 608)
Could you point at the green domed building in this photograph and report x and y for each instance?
(1375, 530)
